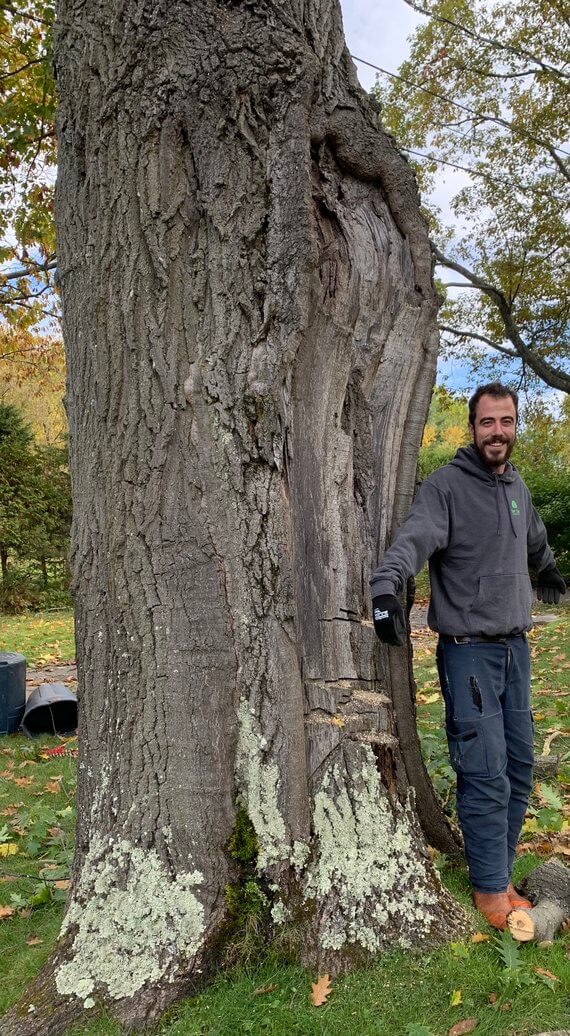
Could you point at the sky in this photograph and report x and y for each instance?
(377, 31)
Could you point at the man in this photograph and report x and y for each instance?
(474, 520)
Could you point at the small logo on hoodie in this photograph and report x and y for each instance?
(515, 510)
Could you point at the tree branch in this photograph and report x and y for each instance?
(481, 116)
(553, 376)
(16, 71)
(26, 271)
(459, 333)
(520, 53)
(24, 15)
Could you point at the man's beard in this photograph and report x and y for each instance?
(494, 460)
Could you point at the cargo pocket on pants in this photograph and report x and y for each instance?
(467, 753)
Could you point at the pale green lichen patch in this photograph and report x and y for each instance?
(258, 784)
(133, 921)
(367, 868)
(279, 912)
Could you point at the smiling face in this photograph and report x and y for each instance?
(494, 431)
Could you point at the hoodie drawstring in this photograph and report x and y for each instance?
(512, 524)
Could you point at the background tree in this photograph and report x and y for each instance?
(485, 90)
(35, 510)
(249, 319)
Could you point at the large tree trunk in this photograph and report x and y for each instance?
(249, 319)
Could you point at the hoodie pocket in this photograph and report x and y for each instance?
(467, 753)
(504, 600)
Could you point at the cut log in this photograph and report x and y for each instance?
(548, 888)
(545, 766)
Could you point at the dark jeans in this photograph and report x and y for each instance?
(486, 688)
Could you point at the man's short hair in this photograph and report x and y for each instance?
(498, 391)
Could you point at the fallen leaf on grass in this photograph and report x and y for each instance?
(34, 940)
(26, 912)
(265, 989)
(455, 998)
(505, 1007)
(546, 974)
(320, 990)
(467, 1025)
(23, 782)
(480, 937)
(6, 878)
(63, 884)
(53, 786)
(8, 849)
(492, 998)
(6, 911)
(428, 699)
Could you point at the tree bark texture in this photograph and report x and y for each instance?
(249, 319)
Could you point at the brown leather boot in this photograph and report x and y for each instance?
(517, 902)
(495, 907)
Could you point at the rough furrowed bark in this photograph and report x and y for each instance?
(249, 320)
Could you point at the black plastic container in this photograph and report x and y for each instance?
(12, 691)
(50, 709)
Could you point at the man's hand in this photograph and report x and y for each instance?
(550, 585)
(389, 621)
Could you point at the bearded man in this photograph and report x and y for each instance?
(475, 522)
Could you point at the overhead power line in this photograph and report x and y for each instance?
(494, 177)
(472, 111)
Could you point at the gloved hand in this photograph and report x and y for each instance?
(389, 621)
(550, 585)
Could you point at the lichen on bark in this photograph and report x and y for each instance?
(368, 861)
(258, 787)
(131, 919)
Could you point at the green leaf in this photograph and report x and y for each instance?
(550, 797)
(41, 897)
(549, 820)
(414, 1029)
(509, 951)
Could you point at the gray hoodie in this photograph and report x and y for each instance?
(480, 532)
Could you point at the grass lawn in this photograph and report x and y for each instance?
(403, 993)
(45, 638)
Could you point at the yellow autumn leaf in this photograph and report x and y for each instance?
(8, 849)
(480, 937)
(456, 998)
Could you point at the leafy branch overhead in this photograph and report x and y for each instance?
(476, 97)
(27, 162)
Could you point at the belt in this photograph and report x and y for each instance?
(500, 638)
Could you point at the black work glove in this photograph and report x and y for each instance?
(389, 621)
(550, 585)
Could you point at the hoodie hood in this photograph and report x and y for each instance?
(469, 460)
